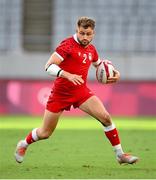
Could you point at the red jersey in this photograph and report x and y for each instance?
(76, 59)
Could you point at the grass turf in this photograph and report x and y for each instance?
(78, 149)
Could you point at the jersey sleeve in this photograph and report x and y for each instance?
(96, 59)
(64, 49)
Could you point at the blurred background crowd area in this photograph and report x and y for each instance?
(30, 30)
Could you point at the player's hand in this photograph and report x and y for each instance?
(76, 79)
(115, 78)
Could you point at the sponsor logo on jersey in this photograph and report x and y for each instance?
(90, 56)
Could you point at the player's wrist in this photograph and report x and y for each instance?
(60, 73)
(65, 74)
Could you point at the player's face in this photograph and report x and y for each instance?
(85, 36)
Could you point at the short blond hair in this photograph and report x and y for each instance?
(86, 22)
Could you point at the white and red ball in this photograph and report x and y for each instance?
(104, 71)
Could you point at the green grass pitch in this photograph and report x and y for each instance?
(78, 149)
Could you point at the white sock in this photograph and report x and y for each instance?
(109, 128)
(34, 134)
(118, 150)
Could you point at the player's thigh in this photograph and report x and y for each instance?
(50, 121)
(94, 107)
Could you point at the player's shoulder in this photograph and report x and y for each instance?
(68, 40)
(66, 45)
(92, 47)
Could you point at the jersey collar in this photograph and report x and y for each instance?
(75, 38)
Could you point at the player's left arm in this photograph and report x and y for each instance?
(113, 79)
(96, 60)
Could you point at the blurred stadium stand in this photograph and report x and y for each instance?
(37, 25)
(123, 26)
(10, 25)
(125, 33)
(31, 29)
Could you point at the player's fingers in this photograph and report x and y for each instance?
(79, 81)
(112, 80)
(116, 73)
(76, 79)
(74, 82)
(114, 77)
(79, 78)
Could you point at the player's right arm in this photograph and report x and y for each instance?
(53, 69)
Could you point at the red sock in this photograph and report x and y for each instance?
(32, 136)
(113, 137)
(29, 139)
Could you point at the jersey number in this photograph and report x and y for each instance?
(84, 58)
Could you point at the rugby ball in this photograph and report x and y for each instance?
(104, 71)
